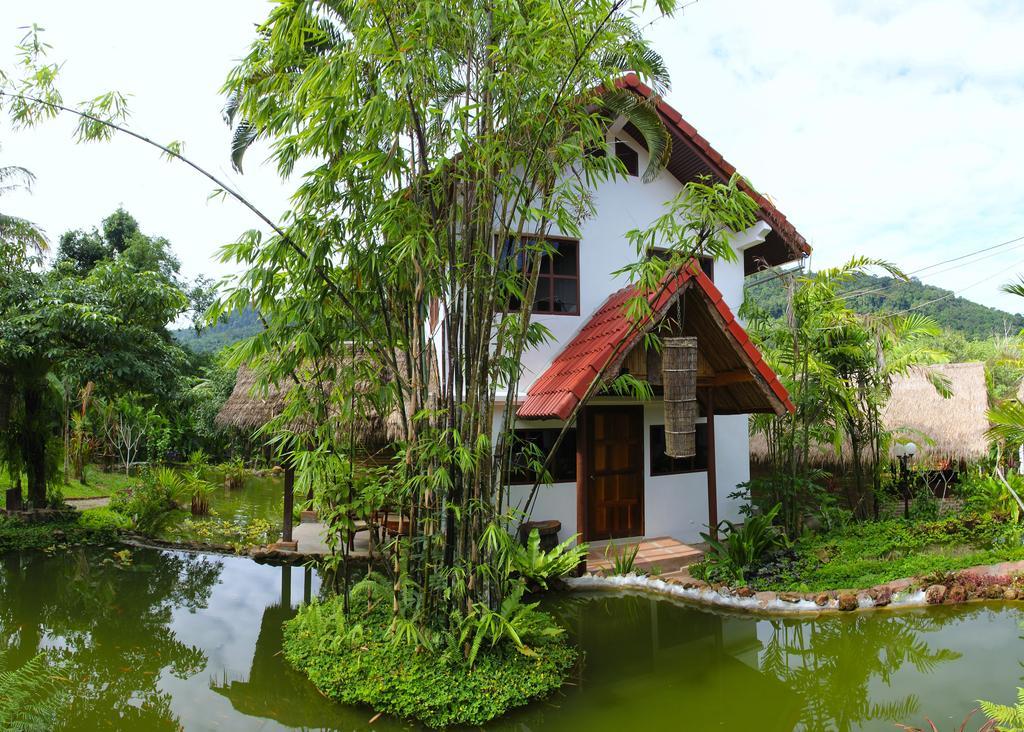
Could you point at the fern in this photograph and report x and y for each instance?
(29, 696)
(1008, 719)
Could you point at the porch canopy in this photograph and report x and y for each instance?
(610, 344)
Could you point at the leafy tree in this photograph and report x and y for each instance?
(81, 250)
(120, 230)
(838, 366)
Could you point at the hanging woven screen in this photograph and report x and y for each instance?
(679, 374)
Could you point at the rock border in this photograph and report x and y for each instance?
(1003, 581)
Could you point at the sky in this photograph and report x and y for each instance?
(886, 129)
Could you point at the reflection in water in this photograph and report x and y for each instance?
(173, 641)
(111, 643)
(848, 653)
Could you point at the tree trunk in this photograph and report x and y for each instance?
(34, 445)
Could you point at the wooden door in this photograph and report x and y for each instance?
(615, 472)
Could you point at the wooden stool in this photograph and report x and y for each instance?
(548, 531)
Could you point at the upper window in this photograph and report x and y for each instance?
(662, 464)
(532, 447)
(630, 158)
(558, 281)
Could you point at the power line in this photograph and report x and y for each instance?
(988, 251)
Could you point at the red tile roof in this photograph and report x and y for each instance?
(774, 217)
(565, 383)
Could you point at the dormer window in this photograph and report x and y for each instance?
(558, 281)
(630, 158)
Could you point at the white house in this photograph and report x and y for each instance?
(613, 479)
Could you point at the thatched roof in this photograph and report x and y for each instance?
(250, 407)
(943, 429)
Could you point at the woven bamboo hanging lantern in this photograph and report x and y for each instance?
(679, 375)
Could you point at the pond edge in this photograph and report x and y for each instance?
(988, 582)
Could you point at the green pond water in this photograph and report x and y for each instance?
(176, 641)
(261, 497)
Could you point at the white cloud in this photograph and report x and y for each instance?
(887, 129)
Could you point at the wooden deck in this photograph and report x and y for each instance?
(661, 553)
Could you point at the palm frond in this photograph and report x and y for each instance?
(241, 140)
(641, 114)
(1007, 421)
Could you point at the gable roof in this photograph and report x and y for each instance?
(596, 348)
(693, 156)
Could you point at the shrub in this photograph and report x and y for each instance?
(18, 536)
(870, 553)
(103, 518)
(741, 546)
(366, 658)
(531, 563)
(148, 502)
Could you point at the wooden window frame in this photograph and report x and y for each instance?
(550, 277)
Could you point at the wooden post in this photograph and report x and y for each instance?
(289, 496)
(286, 585)
(582, 480)
(709, 405)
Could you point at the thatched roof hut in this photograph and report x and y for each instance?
(944, 429)
(251, 406)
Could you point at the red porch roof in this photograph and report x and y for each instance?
(565, 383)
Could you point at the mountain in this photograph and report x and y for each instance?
(232, 330)
(885, 294)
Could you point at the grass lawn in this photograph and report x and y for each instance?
(873, 552)
(97, 483)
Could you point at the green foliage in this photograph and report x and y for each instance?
(30, 696)
(870, 553)
(354, 659)
(838, 366)
(624, 561)
(1009, 719)
(148, 501)
(70, 531)
(983, 492)
(740, 547)
(534, 565)
(103, 518)
(514, 622)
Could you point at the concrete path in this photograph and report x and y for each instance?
(81, 504)
(312, 539)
